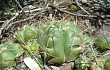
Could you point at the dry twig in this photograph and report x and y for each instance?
(29, 18)
(7, 22)
(80, 15)
(76, 1)
(19, 5)
(7, 25)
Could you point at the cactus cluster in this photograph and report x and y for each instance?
(56, 42)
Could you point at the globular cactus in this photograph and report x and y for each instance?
(26, 34)
(8, 53)
(103, 42)
(62, 41)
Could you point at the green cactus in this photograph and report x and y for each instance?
(102, 42)
(26, 33)
(62, 41)
(8, 53)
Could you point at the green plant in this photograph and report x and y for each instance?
(8, 53)
(62, 41)
(26, 34)
(26, 38)
(103, 42)
(107, 64)
(104, 61)
(58, 42)
(33, 46)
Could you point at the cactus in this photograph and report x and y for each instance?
(8, 53)
(102, 42)
(26, 33)
(62, 41)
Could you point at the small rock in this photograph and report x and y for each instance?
(31, 64)
(67, 66)
(55, 68)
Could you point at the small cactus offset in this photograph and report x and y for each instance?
(8, 53)
(62, 41)
(103, 42)
(26, 33)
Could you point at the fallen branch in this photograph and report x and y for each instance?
(107, 24)
(5, 24)
(34, 10)
(24, 19)
(2, 21)
(73, 14)
(80, 15)
(76, 1)
(30, 11)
